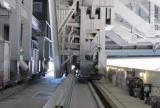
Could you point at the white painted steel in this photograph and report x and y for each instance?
(147, 63)
(66, 17)
(12, 3)
(5, 61)
(132, 52)
(156, 2)
(135, 20)
(99, 3)
(54, 37)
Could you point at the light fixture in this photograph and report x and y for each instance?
(141, 74)
(109, 27)
(115, 68)
(6, 5)
(119, 69)
(76, 71)
(73, 67)
(108, 68)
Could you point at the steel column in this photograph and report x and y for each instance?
(54, 37)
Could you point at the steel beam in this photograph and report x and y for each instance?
(135, 20)
(54, 37)
(132, 52)
(156, 2)
(15, 31)
(27, 31)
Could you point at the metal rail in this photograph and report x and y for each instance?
(102, 95)
(72, 94)
(90, 96)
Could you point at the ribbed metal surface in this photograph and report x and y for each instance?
(108, 3)
(61, 14)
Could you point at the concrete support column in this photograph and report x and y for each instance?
(15, 31)
(82, 33)
(14, 37)
(93, 8)
(27, 31)
(83, 44)
(54, 37)
(102, 53)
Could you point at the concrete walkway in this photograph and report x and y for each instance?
(34, 96)
(121, 97)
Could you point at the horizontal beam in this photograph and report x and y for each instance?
(70, 52)
(123, 52)
(132, 52)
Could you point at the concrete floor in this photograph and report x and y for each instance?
(121, 97)
(34, 96)
(37, 94)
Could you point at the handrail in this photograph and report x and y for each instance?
(68, 16)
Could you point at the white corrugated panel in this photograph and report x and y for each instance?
(61, 14)
(98, 3)
(106, 2)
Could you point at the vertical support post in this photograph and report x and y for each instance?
(102, 53)
(134, 10)
(15, 33)
(54, 37)
(63, 45)
(151, 13)
(93, 8)
(27, 32)
(83, 45)
(1, 33)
